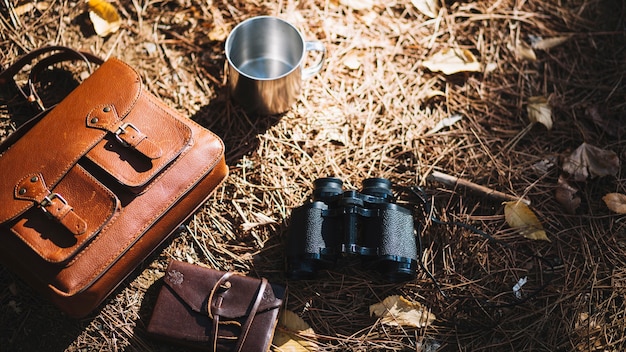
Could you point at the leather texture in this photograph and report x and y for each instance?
(215, 310)
(96, 183)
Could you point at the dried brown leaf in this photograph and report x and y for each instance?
(589, 161)
(565, 194)
(601, 118)
(616, 202)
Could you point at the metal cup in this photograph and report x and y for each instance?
(266, 64)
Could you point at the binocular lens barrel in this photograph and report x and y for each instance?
(312, 240)
(378, 187)
(392, 233)
(327, 187)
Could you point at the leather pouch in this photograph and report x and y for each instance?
(214, 310)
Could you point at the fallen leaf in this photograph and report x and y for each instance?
(358, 5)
(262, 220)
(539, 111)
(447, 122)
(517, 288)
(519, 216)
(451, 61)
(104, 17)
(430, 94)
(220, 30)
(429, 8)
(549, 43)
(398, 311)
(293, 334)
(565, 194)
(29, 6)
(616, 202)
(352, 61)
(525, 52)
(492, 66)
(589, 161)
(544, 166)
(369, 18)
(610, 124)
(219, 33)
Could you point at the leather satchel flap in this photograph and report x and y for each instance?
(193, 285)
(56, 143)
(89, 207)
(150, 138)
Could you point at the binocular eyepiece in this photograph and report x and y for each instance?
(367, 223)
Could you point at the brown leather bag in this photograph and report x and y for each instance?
(214, 310)
(90, 187)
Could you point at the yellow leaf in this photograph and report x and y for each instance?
(429, 8)
(519, 216)
(548, 43)
(352, 61)
(616, 202)
(434, 93)
(293, 334)
(451, 61)
(104, 17)
(358, 4)
(30, 6)
(539, 111)
(219, 33)
(524, 51)
(398, 311)
(220, 29)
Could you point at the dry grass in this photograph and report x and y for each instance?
(373, 122)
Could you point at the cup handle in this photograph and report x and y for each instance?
(315, 68)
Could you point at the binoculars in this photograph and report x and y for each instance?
(367, 223)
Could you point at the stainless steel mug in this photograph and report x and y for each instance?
(266, 64)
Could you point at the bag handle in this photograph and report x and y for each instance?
(63, 53)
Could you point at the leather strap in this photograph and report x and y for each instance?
(33, 188)
(127, 134)
(223, 285)
(251, 314)
(220, 284)
(63, 54)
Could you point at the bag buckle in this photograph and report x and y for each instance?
(47, 200)
(122, 130)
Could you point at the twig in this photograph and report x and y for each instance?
(453, 181)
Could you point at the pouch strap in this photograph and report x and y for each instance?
(221, 286)
(251, 314)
